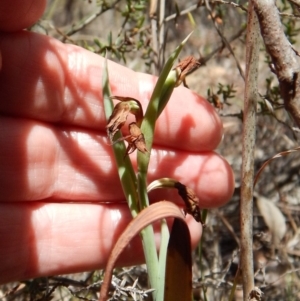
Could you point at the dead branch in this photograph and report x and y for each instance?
(282, 54)
(251, 96)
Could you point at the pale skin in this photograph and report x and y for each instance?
(62, 206)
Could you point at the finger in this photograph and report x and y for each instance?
(64, 238)
(44, 79)
(18, 14)
(40, 161)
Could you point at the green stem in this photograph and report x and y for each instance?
(160, 97)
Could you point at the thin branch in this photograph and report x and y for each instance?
(161, 33)
(203, 60)
(196, 6)
(251, 96)
(90, 19)
(226, 43)
(154, 38)
(291, 16)
(295, 2)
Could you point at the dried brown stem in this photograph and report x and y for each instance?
(282, 54)
(251, 95)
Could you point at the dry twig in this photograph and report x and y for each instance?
(251, 95)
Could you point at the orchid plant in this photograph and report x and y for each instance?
(140, 139)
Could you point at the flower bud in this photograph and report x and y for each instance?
(186, 66)
(191, 201)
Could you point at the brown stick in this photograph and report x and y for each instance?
(251, 95)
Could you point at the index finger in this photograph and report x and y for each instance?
(43, 79)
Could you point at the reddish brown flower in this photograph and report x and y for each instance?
(117, 119)
(120, 113)
(135, 140)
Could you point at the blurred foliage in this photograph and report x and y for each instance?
(133, 35)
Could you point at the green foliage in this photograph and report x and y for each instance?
(291, 30)
(225, 91)
(272, 91)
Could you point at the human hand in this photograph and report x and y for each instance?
(62, 207)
